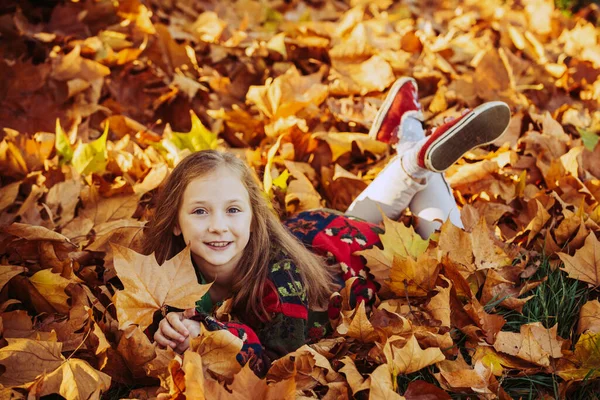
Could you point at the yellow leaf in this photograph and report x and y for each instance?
(584, 362)
(52, 287)
(401, 240)
(91, 157)
(62, 144)
(149, 286)
(197, 139)
(585, 264)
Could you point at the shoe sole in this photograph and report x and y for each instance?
(387, 103)
(483, 125)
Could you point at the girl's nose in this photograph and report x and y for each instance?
(218, 223)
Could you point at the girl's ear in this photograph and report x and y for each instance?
(176, 230)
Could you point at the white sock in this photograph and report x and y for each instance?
(410, 161)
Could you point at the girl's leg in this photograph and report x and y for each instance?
(433, 205)
(414, 178)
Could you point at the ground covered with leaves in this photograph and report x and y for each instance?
(99, 99)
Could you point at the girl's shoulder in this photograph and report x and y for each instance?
(285, 292)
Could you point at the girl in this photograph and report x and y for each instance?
(280, 290)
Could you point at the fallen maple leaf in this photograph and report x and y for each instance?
(360, 328)
(7, 272)
(534, 343)
(584, 362)
(410, 357)
(383, 384)
(219, 350)
(52, 287)
(585, 264)
(148, 287)
(589, 317)
(410, 277)
(28, 360)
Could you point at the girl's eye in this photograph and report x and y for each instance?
(199, 211)
(234, 210)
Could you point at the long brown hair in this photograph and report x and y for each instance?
(268, 235)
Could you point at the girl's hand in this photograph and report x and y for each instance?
(193, 328)
(171, 331)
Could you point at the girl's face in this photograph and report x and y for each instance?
(214, 218)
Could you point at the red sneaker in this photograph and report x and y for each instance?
(402, 100)
(451, 140)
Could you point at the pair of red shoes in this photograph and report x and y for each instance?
(449, 141)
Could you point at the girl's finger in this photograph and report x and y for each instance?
(189, 313)
(174, 319)
(163, 341)
(167, 330)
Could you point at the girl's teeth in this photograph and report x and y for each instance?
(219, 244)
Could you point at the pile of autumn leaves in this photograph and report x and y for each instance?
(76, 299)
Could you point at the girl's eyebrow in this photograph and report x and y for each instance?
(201, 202)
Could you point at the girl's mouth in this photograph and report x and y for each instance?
(217, 245)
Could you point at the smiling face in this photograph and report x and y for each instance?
(215, 217)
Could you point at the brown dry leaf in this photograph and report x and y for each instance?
(421, 390)
(8, 194)
(457, 375)
(218, 350)
(589, 317)
(409, 277)
(382, 382)
(342, 142)
(585, 264)
(137, 350)
(497, 287)
(373, 75)
(246, 378)
(34, 233)
(7, 272)
(456, 244)
(149, 286)
(490, 324)
(101, 210)
(486, 252)
(439, 305)
(288, 94)
(410, 357)
(28, 360)
(354, 378)
(534, 343)
(360, 328)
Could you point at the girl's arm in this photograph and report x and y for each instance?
(287, 304)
